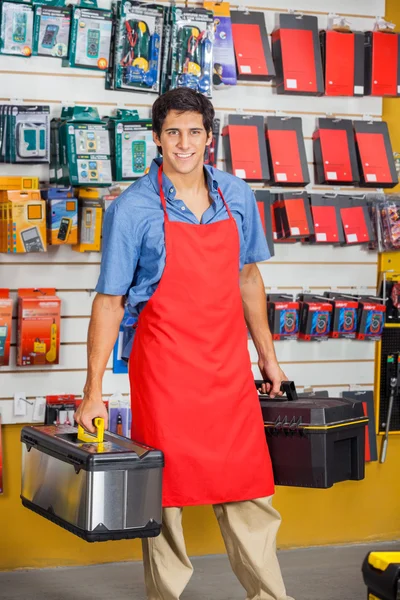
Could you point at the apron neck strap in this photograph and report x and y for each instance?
(163, 201)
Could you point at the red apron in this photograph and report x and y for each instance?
(192, 388)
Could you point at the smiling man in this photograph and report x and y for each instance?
(180, 245)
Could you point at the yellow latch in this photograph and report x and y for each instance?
(381, 560)
(98, 437)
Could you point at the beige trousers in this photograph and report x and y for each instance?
(249, 531)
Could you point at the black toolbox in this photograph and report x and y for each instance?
(314, 441)
(381, 572)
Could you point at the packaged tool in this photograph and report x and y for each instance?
(189, 56)
(381, 573)
(79, 463)
(16, 28)
(245, 149)
(251, 43)
(85, 154)
(25, 133)
(297, 55)
(90, 220)
(343, 58)
(38, 337)
(135, 57)
(90, 38)
(283, 316)
(335, 153)
(287, 153)
(382, 60)
(62, 216)
(60, 409)
(315, 317)
(345, 313)
(19, 183)
(22, 222)
(293, 216)
(224, 67)
(314, 442)
(375, 154)
(120, 415)
(51, 28)
(6, 305)
(371, 318)
(132, 145)
(356, 221)
(325, 210)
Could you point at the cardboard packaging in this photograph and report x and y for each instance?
(371, 318)
(22, 221)
(294, 216)
(85, 155)
(90, 38)
(132, 145)
(283, 316)
(375, 154)
(25, 133)
(328, 227)
(51, 30)
(356, 220)
(6, 306)
(224, 66)
(245, 149)
(287, 153)
(343, 60)
(344, 316)
(264, 204)
(251, 43)
(62, 216)
(335, 153)
(136, 44)
(315, 318)
(19, 183)
(90, 217)
(16, 28)
(297, 55)
(382, 63)
(38, 339)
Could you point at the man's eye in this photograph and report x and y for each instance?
(172, 132)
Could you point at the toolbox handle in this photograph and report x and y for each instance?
(287, 387)
(98, 437)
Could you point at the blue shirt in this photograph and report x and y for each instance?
(133, 256)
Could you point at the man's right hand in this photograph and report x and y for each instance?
(89, 409)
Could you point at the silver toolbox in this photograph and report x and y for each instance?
(99, 491)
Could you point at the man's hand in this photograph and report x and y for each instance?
(271, 372)
(92, 406)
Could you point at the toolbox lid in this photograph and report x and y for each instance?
(382, 560)
(114, 453)
(311, 412)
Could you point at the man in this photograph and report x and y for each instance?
(181, 245)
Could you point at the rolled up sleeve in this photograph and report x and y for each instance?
(120, 252)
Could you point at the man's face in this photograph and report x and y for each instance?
(183, 140)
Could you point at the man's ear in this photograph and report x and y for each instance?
(156, 139)
(209, 138)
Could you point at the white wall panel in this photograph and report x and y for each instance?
(336, 364)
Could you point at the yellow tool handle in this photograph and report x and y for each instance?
(98, 437)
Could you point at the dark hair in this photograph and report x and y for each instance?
(182, 100)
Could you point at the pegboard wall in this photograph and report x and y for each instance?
(335, 365)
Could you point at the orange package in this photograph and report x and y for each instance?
(38, 340)
(5, 326)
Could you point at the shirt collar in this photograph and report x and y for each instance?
(168, 187)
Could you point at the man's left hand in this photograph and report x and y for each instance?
(273, 374)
